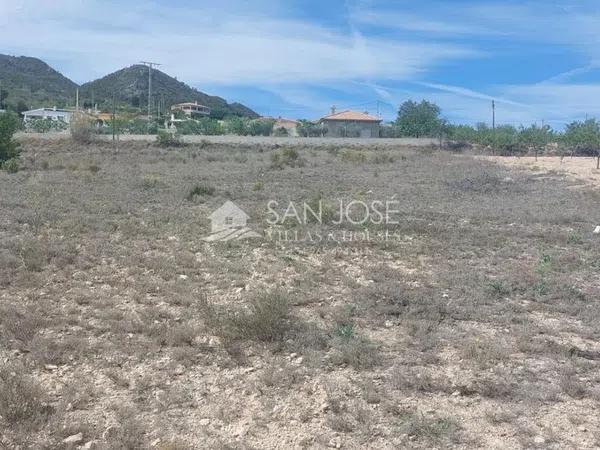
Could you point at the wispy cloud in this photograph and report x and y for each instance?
(225, 49)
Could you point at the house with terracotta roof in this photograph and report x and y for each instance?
(290, 126)
(350, 124)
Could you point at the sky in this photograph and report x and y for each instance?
(539, 60)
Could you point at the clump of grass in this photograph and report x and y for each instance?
(355, 351)
(200, 190)
(322, 209)
(431, 428)
(150, 181)
(353, 156)
(94, 168)
(287, 157)
(34, 254)
(258, 185)
(498, 289)
(21, 400)
(382, 158)
(19, 325)
(265, 319)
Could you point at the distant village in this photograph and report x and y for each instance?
(345, 123)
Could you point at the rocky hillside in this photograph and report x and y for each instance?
(29, 82)
(130, 85)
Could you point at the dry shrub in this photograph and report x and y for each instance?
(355, 351)
(21, 400)
(82, 128)
(265, 319)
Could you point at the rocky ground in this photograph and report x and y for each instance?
(473, 325)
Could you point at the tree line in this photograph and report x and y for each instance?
(424, 119)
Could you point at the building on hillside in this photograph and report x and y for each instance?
(290, 126)
(350, 124)
(48, 113)
(192, 109)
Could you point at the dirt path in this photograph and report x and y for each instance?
(581, 168)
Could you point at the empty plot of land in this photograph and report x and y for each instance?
(582, 168)
(475, 326)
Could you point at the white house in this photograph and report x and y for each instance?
(48, 113)
(191, 109)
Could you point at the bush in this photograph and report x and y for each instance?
(237, 125)
(200, 190)
(261, 127)
(20, 399)
(165, 139)
(11, 165)
(280, 132)
(287, 157)
(204, 126)
(82, 129)
(266, 319)
(9, 124)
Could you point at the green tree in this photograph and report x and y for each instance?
(9, 124)
(420, 120)
(261, 127)
(307, 128)
(584, 137)
(237, 125)
(535, 138)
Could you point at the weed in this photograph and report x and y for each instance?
(11, 165)
(200, 190)
(21, 400)
(266, 319)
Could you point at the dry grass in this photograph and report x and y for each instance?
(476, 326)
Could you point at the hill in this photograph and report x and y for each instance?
(29, 82)
(131, 87)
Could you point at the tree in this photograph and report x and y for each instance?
(420, 120)
(261, 127)
(9, 124)
(237, 125)
(309, 129)
(584, 137)
(535, 137)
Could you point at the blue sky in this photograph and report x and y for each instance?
(540, 60)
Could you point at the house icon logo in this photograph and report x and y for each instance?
(228, 223)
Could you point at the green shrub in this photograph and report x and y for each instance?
(9, 124)
(200, 190)
(11, 165)
(287, 157)
(280, 132)
(165, 139)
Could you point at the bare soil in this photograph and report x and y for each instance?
(579, 167)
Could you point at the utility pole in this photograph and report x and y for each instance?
(77, 100)
(494, 127)
(150, 66)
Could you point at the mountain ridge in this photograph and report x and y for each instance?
(28, 82)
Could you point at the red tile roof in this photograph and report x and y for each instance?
(351, 116)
